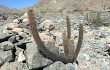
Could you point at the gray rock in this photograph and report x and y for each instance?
(60, 66)
(51, 46)
(84, 57)
(18, 50)
(7, 45)
(1, 62)
(5, 66)
(105, 33)
(12, 39)
(4, 37)
(14, 66)
(21, 57)
(22, 66)
(100, 45)
(34, 59)
(47, 25)
(56, 66)
(22, 44)
(97, 34)
(6, 56)
(93, 60)
(71, 66)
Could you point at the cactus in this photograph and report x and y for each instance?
(71, 57)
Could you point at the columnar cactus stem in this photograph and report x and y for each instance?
(47, 53)
(68, 27)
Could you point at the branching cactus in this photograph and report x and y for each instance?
(69, 57)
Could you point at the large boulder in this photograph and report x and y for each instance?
(34, 58)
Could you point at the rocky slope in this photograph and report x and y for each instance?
(71, 5)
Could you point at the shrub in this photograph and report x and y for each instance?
(94, 18)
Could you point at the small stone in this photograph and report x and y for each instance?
(93, 60)
(1, 62)
(15, 21)
(14, 66)
(7, 45)
(70, 66)
(18, 50)
(84, 57)
(6, 56)
(48, 24)
(17, 30)
(12, 39)
(4, 37)
(24, 35)
(56, 66)
(21, 57)
(11, 26)
(25, 20)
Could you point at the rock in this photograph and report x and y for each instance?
(7, 45)
(24, 16)
(34, 58)
(18, 37)
(61, 49)
(108, 39)
(25, 20)
(71, 66)
(100, 45)
(22, 44)
(22, 66)
(97, 34)
(26, 30)
(60, 66)
(24, 35)
(14, 66)
(48, 25)
(17, 30)
(5, 66)
(105, 33)
(24, 25)
(1, 62)
(12, 39)
(58, 36)
(56, 66)
(84, 57)
(6, 56)
(4, 37)
(15, 21)
(11, 26)
(7, 31)
(18, 50)
(21, 57)
(93, 60)
(51, 47)
(44, 37)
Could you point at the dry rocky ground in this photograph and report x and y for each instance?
(19, 52)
